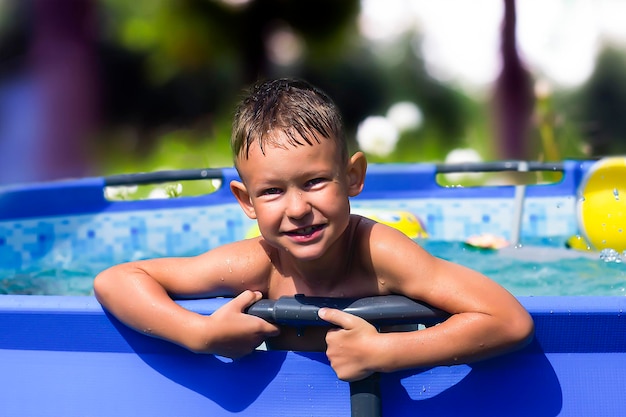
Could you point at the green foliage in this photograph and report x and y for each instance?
(602, 102)
(176, 149)
(196, 55)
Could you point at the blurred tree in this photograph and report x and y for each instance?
(602, 99)
(62, 61)
(186, 61)
(15, 37)
(513, 96)
(171, 70)
(443, 106)
(48, 96)
(183, 62)
(363, 83)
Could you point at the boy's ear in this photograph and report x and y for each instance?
(357, 166)
(243, 197)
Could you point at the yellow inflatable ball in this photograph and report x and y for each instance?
(601, 205)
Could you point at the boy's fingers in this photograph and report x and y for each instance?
(246, 299)
(337, 317)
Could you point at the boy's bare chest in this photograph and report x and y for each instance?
(353, 285)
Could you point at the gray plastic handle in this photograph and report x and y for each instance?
(382, 310)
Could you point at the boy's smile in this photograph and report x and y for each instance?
(305, 232)
(297, 193)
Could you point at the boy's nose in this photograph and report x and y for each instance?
(297, 205)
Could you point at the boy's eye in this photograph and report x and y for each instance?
(315, 181)
(271, 191)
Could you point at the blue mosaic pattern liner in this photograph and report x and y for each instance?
(456, 220)
(117, 236)
(72, 220)
(113, 237)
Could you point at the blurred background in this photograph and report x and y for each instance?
(97, 87)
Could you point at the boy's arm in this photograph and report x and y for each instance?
(140, 295)
(486, 319)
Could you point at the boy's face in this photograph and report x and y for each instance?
(299, 194)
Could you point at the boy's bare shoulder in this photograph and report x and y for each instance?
(389, 253)
(245, 263)
(253, 247)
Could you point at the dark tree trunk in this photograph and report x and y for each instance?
(64, 71)
(513, 97)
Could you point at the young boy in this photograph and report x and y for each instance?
(296, 179)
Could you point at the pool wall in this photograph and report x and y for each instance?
(65, 356)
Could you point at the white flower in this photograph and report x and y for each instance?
(462, 155)
(405, 115)
(283, 46)
(120, 192)
(158, 193)
(543, 89)
(216, 183)
(166, 191)
(377, 135)
(174, 190)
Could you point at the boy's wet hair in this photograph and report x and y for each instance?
(301, 111)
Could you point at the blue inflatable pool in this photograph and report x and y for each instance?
(64, 356)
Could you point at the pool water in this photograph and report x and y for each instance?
(540, 268)
(536, 268)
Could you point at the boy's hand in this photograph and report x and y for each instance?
(235, 333)
(349, 347)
